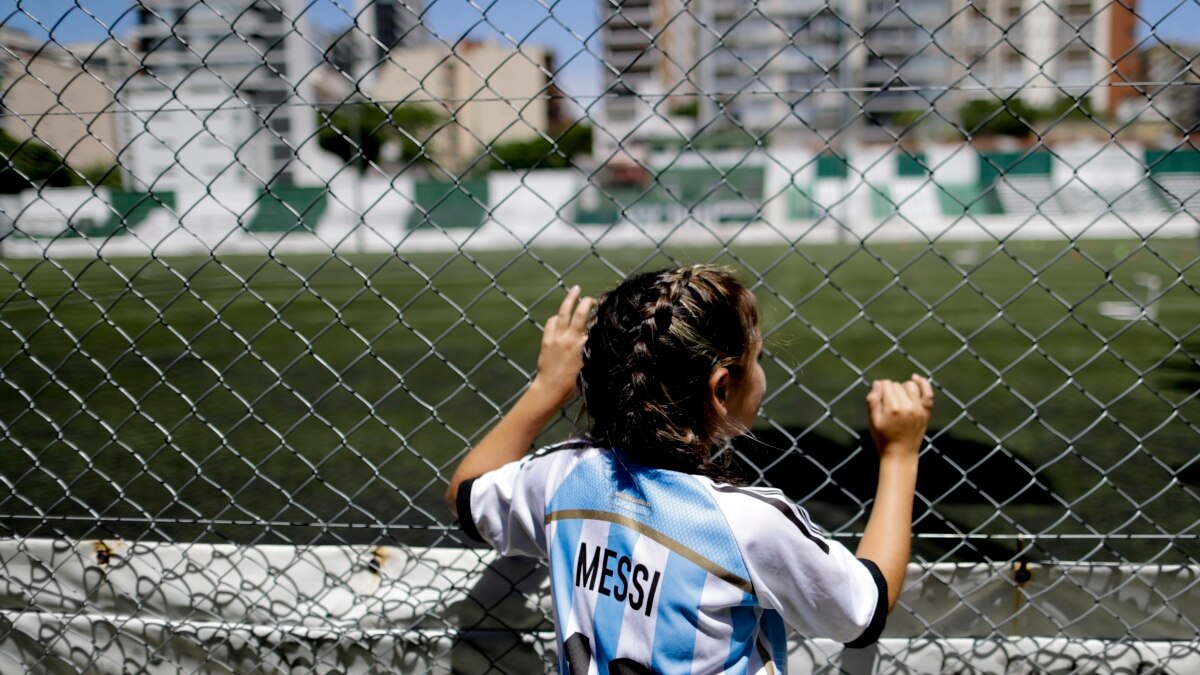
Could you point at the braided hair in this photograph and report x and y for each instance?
(653, 344)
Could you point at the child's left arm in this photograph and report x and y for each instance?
(558, 366)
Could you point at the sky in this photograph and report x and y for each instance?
(565, 26)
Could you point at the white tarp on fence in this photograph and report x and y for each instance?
(113, 606)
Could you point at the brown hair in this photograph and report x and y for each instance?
(651, 347)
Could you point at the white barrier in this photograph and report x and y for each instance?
(114, 606)
(1086, 191)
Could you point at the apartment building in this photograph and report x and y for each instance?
(790, 68)
(650, 70)
(778, 67)
(487, 93)
(219, 97)
(1172, 92)
(390, 24)
(1045, 50)
(60, 98)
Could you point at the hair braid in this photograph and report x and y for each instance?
(644, 388)
(651, 347)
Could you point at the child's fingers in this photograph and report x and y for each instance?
(912, 390)
(873, 398)
(564, 309)
(926, 391)
(551, 326)
(886, 397)
(580, 317)
(897, 397)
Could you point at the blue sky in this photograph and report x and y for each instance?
(566, 26)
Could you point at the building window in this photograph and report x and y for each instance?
(270, 14)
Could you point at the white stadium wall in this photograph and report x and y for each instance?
(1084, 190)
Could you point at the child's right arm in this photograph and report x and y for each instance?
(899, 414)
(558, 365)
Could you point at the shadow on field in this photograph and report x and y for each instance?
(1189, 473)
(833, 480)
(1181, 371)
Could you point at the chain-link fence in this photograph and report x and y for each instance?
(270, 266)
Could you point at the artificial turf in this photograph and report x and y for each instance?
(324, 399)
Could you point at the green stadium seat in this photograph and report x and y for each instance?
(832, 166)
(1020, 182)
(737, 191)
(882, 204)
(1175, 175)
(800, 204)
(127, 211)
(993, 165)
(968, 199)
(284, 208)
(911, 164)
(449, 205)
(604, 206)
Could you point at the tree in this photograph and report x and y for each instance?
(357, 132)
(414, 124)
(28, 163)
(1073, 109)
(1015, 117)
(689, 109)
(100, 175)
(555, 152)
(997, 118)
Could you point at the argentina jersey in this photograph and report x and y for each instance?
(660, 571)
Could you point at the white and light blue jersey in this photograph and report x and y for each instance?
(666, 572)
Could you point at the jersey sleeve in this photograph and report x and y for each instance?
(815, 583)
(506, 508)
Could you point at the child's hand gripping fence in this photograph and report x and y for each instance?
(270, 267)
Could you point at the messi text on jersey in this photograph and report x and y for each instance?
(617, 576)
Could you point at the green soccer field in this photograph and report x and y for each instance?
(310, 398)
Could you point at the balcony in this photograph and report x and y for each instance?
(624, 59)
(638, 16)
(620, 34)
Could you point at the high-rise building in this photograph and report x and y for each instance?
(1045, 50)
(905, 62)
(1172, 92)
(60, 98)
(791, 68)
(219, 95)
(388, 24)
(650, 69)
(486, 93)
(776, 67)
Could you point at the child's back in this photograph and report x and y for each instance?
(670, 570)
(655, 566)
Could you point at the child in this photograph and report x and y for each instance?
(658, 562)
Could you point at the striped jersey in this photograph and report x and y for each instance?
(660, 571)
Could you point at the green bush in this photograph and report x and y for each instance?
(357, 132)
(997, 118)
(100, 175)
(1072, 108)
(689, 109)
(26, 164)
(1014, 117)
(543, 153)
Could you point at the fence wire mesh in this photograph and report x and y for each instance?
(270, 266)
